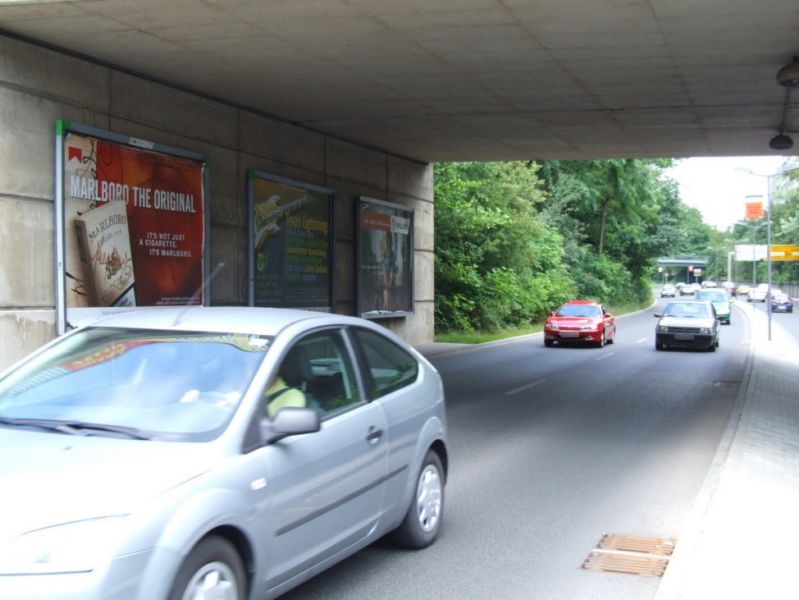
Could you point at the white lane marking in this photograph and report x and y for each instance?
(604, 356)
(641, 341)
(525, 387)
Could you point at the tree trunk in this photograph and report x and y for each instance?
(602, 227)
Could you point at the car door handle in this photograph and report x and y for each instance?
(374, 435)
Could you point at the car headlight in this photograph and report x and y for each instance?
(552, 325)
(77, 547)
(663, 329)
(705, 330)
(591, 327)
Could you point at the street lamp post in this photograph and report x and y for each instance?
(769, 177)
(729, 265)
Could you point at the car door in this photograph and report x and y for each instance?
(610, 324)
(324, 489)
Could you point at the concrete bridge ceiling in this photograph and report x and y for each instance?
(442, 80)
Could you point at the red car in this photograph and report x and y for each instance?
(580, 321)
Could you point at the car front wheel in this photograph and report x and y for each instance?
(422, 522)
(212, 569)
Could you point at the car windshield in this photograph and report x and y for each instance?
(696, 310)
(712, 295)
(150, 384)
(579, 310)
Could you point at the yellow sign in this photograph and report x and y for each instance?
(784, 252)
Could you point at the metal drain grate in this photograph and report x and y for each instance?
(631, 555)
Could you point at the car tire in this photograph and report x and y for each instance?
(422, 522)
(601, 342)
(213, 562)
(659, 346)
(549, 343)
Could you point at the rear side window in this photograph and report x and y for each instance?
(390, 367)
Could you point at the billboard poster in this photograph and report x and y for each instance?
(291, 241)
(385, 258)
(133, 224)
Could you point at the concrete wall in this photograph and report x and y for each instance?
(39, 86)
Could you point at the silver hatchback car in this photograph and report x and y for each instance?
(223, 453)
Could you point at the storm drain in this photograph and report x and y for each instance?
(631, 555)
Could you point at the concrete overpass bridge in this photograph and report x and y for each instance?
(359, 98)
(683, 268)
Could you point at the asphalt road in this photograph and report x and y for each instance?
(551, 448)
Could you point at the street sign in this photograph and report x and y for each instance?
(748, 252)
(784, 253)
(754, 210)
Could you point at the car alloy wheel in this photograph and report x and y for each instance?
(214, 580)
(211, 571)
(428, 498)
(601, 342)
(422, 521)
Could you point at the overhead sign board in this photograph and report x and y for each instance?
(749, 252)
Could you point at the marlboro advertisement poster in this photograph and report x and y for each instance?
(291, 243)
(385, 254)
(134, 227)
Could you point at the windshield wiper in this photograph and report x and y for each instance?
(76, 427)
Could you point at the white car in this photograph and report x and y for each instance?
(759, 293)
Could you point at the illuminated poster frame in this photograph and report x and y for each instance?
(385, 251)
(290, 243)
(130, 224)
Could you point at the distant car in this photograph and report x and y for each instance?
(759, 293)
(744, 290)
(730, 287)
(154, 455)
(689, 289)
(687, 324)
(709, 283)
(668, 290)
(580, 321)
(781, 302)
(721, 301)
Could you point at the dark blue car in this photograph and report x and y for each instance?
(781, 303)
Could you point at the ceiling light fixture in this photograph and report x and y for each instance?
(788, 75)
(781, 142)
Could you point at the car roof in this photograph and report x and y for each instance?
(689, 302)
(581, 302)
(223, 319)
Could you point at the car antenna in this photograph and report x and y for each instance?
(196, 294)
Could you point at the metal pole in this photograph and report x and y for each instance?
(729, 266)
(754, 274)
(768, 253)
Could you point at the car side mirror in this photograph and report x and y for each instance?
(551, 313)
(658, 315)
(290, 421)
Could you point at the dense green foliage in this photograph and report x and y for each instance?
(515, 239)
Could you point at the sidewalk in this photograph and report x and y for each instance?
(742, 540)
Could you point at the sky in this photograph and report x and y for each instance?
(718, 187)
